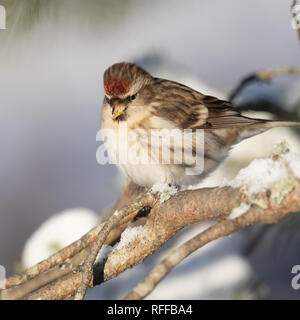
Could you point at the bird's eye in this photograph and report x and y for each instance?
(133, 97)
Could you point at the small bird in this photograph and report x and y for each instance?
(145, 105)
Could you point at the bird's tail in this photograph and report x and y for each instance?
(275, 123)
(260, 126)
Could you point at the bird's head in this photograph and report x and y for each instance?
(122, 84)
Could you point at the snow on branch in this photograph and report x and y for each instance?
(264, 192)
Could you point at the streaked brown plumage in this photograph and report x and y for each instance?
(141, 101)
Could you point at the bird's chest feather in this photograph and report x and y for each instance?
(146, 160)
(130, 147)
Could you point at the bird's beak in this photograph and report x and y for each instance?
(117, 110)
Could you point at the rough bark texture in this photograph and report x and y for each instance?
(164, 220)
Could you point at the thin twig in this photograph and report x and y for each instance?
(61, 289)
(263, 75)
(177, 255)
(57, 258)
(43, 279)
(113, 221)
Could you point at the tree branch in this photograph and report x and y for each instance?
(164, 220)
(255, 215)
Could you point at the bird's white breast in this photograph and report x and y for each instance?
(128, 145)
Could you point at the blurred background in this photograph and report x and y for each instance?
(52, 57)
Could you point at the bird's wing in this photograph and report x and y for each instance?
(188, 108)
(221, 114)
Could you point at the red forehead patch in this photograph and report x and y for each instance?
(116, 86)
